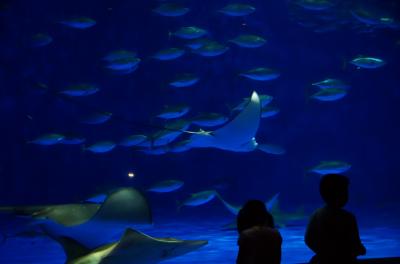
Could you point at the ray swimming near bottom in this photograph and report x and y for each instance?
(133, 247)
(83, 221)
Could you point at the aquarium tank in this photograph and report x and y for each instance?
(133, 131)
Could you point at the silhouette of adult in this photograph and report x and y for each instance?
(259, 242)
(332, 232)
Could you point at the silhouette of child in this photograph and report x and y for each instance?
(332, 232)
(259, 242)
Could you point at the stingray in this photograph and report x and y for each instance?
(238, 135)
(133, 247)
(83, 221)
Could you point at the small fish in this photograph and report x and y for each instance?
(169, 54)
(368, 62)
(178, 124)
(331, 83)
(326, 167)
(166, 186)
(364, 16)
(41, 40)
(47, 139)
(199, 198)
(123, 64)
(71, 139)
(261, 74)
(171, 112)
(119, 54)
(211, 49)
(96, 118)
(237, 10)
(171, 10)
(271, 149)
(269, 111)
(190, 32)
(165, 137)
(184, 80)
(331, 94)
(316, 5)
(132, 140)
(197, 43)
(82, 89)
(79, 22)
(209, 120)
(172, 131)
(101, 147)
(248, 41)
(180, 146)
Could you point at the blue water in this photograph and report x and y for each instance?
(305, 46)
(380, 241)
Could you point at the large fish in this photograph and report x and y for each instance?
(133, 247)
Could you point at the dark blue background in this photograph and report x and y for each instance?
(362, 129)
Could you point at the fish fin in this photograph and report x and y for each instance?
(131, 235)
(72, 248)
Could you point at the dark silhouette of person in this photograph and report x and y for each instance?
(259, 242)
(332, 232)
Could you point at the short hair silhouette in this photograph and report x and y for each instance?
(334, 189)
(252, 214)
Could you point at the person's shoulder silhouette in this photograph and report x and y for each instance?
(259, 242)
(332, 232)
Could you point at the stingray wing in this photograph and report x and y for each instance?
(238, 134)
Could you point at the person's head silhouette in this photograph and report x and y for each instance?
(334, 190)
(254, 213)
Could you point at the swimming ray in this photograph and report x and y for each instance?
(238, 134)
(83, 221)
(133, 247)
